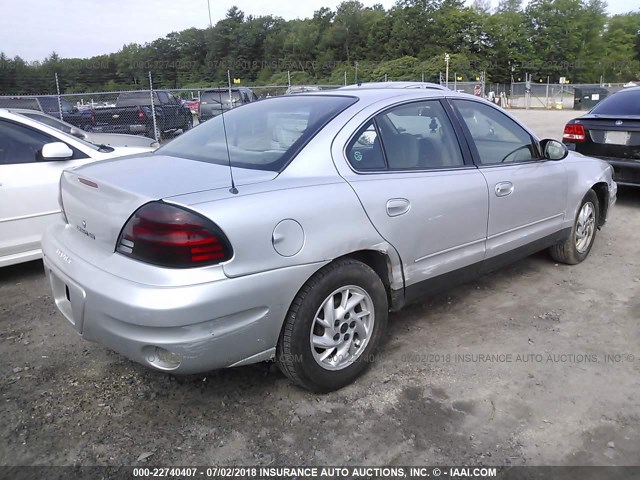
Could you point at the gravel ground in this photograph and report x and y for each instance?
(557, 382)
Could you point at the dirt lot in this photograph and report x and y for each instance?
(558, 383)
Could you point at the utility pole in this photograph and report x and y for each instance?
(209, 6)
(59, 100)
(446, 59)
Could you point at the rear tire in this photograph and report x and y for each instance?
(188, 125)
(333, 327)
(583, 233)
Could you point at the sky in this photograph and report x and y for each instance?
(33, 29)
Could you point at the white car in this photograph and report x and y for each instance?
(32, 157)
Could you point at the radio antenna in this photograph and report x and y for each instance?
(233, 188)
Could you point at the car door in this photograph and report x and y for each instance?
(527, 194)
(420, 191)
(176, 110)
(28, 189)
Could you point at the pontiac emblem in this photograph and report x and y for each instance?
(116, 116)
(618, 122)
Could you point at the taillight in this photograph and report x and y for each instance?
(142, 116)
(171, 236)
(574, 132)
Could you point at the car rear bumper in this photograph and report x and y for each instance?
(184, 329)
(625, 172)
(126, 129)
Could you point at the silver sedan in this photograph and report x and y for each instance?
(288, 228)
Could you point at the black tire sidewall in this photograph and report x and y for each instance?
(353, 273)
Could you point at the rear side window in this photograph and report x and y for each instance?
(260, 135)
(621, 103)
(415, 136)
(365, 150)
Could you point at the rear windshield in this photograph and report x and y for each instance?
(263, 135)
(621, 103)
(135, 99)
(220, 97)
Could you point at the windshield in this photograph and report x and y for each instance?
(48, 120)
(621, 103)
(59, 125)
(263, 135)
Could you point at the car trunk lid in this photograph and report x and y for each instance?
(99, 198)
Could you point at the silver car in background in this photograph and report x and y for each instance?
(341, 206)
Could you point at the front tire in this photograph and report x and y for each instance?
(583, 233)
(334, 326)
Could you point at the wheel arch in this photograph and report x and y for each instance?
(602, 192)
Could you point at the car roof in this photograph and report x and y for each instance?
(367, 85)
(224, 89)
(375, 94)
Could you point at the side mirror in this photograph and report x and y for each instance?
(76, 132)
(56, 151)
(553, 149)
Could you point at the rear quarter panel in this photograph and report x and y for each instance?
(328, 212)
(583, 173)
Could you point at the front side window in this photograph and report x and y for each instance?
(19, 144)
(415, 136)
(498, 139)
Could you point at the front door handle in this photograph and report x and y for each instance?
(503, 189)
(398, 206)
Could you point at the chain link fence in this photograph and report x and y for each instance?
(163, 113)
(159, 114)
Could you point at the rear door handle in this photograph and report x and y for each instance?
(503, 189)
(398, 206)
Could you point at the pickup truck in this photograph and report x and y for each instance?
(49, 104)
(132, 114)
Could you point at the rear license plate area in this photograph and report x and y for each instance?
(616, 138)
